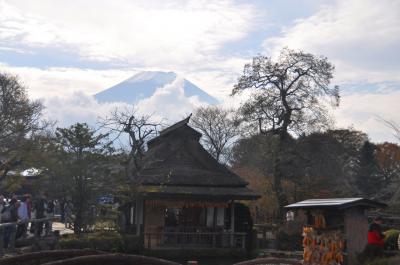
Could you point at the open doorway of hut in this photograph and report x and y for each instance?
(187, 219)
(195, 219)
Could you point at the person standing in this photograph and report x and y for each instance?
(2, 205)
(376, 244)
(68, 214)
(62, 211)
(23, 218)
(29, 207)
(39, 207)
(375, 233)
(10, 215)
(49, 214)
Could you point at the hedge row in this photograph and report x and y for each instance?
(104, 241)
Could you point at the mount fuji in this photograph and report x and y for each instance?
(144, 84)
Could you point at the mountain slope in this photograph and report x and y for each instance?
(144, 84)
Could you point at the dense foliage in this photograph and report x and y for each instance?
(20, 120)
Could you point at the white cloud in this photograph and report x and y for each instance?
(363, 111)
(77, 107)
(167, 104)
(182, 36)
(57, 81)
(361, 37)
(149, 32)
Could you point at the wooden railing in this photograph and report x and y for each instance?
(195, 240)
(13, 231)
(40, 257)
(112, 259)
(270, 261)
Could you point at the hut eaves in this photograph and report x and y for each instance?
(340, 203)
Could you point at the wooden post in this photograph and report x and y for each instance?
(131, 215)
(214, 240)
(139, 215)
(214, 218)
(143, 224)
(232, 221)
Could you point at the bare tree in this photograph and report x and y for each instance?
(290, 97)
(19, 118)
(290, 93)
(137, 130)
(220, 128)
(393, 126)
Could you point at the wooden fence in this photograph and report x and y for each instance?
(40, 257)
(195, 240)
(13, 231)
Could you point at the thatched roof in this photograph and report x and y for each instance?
(176, 159)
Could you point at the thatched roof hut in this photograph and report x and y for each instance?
(176, 165)
(184, 190)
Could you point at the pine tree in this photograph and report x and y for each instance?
(368, 178)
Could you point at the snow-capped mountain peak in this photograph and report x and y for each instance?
(144, 84)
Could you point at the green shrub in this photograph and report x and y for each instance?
(132, 244)
(73, 242)
(391, 237)
(104, 241)
(385, 261)
(285, 241)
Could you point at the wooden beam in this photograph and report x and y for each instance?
(139, 205)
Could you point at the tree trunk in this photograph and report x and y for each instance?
(78, 221)
(277, 184)
(278, 178)
(79, 204)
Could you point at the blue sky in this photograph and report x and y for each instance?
(66, 50)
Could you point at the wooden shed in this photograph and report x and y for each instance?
(186, 197)
(335, 227)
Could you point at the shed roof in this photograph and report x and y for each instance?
(340, 203)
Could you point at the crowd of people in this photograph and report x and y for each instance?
(22, 210)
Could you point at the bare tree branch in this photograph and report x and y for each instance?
(138, 129)
(220, 128)
(393, 126)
